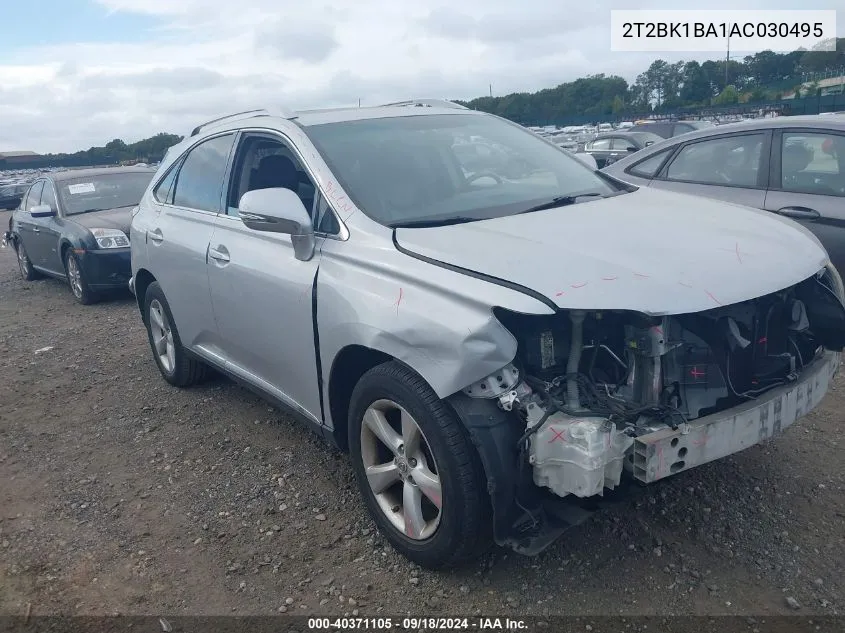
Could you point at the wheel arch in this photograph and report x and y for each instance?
(349, 365)
(143, 279)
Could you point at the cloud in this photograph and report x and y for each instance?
(204, 58)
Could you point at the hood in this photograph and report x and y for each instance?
(650, 251)
(119, 218)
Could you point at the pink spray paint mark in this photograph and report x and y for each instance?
(559, 294)
(737, 253)
(609, 278)
(579, 284)
(641, 276)
(700, 442)
(398, 301)
(685, 285)
(710, 294)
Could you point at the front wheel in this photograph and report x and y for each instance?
(76, 280)
(419, 474)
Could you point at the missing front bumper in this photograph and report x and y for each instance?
(666, 452)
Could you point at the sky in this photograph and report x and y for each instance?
(79, 73)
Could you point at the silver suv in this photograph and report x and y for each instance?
(496, 344)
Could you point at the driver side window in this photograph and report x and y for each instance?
(725, 161)
(33, 198)
(264, 162)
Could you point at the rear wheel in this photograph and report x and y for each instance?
(27, 271)
(173, 361)
(419, 474)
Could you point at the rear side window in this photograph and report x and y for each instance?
(649, 167)
(602, 143)
(164, 190)
(199, 183)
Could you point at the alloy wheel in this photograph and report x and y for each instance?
(74, 277)
(23, 261)
(401, 470)
(162, 335)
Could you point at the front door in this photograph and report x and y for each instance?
(48, 236)
(730, 167)
(261, 293)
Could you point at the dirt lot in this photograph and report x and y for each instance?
(120, 494)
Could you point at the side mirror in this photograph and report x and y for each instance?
(42, 211)
(279, 210)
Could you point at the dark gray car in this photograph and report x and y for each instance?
(609, 147)
(793, 166)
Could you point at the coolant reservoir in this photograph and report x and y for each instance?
(579, 456)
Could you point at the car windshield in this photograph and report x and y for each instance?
(103, 191)
(414, 170)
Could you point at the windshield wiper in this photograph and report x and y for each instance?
(560, 201)
(424, 223)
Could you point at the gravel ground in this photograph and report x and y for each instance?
(121, 494)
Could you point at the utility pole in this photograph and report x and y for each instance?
(359, 102)
(491, 90)
(727, 58)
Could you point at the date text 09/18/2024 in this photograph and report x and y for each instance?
(491, 624)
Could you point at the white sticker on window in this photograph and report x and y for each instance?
(82, 187)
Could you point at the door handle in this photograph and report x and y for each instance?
(156, 236)
(219, 253)
(799, 213)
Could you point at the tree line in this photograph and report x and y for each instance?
(664, 86)
(148, 150)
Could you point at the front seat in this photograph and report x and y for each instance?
(275, 171)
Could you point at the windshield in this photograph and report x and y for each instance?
(103, 191)
(647, 138)
(449, 167)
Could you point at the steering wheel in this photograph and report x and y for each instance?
(484, 174)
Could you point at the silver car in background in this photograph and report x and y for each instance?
(496, 344)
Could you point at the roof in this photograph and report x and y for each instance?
(305, 118)
(17, 154)
(317, 117)
(93, 172)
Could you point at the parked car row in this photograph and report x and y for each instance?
(496, 333)
(790, 166)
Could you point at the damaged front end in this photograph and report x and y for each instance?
(598, 400)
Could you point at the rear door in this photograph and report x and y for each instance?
(187, 201)
(808, 184)
(731, 167)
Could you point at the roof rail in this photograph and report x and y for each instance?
(427, 103)
(286, 114)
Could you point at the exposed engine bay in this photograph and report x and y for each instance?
(587, 384)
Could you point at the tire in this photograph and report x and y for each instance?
(461, 529)
(28, 273)
(76, 280)
(174, 363)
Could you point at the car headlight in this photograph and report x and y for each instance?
(110, 238)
